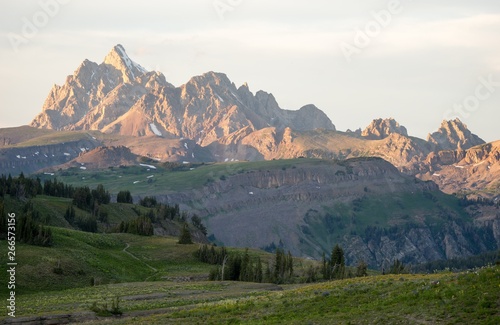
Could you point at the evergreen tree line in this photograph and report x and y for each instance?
(28, 227)
(142, 225)
(30, 232)
(237, 267)
(89, 200)
(213, 255)
(169, 212)
(465, 202)
(57, 189)
(124, 197)
(86, 223)
(20, 187)
(460, 264)
(283, 267)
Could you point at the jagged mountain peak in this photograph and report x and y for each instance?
(209, 81)
(382, 128)
(212, 76)
(454, 134)
(119, 96)
(119, 59)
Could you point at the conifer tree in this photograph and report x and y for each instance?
(361, 269)
(185, 236)
(258, 276)
(337, 263)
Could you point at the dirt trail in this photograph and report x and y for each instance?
(135, 257)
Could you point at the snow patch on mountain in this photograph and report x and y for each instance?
(155, 130)
(129, 62)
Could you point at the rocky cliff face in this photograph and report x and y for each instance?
(375, 212)
(454, 135)
(34, 158)
(119, 96)
(382, 128)
(474, 172)
(101, 158)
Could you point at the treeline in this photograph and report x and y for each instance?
(281, 269)
(91, 201)
(26, 188)
(140, 226)
(465, 202)
(460, 264)
(161, 211)
(237, 267)
(231, 267)
(20, 187)
(28, 228)
(86, 223)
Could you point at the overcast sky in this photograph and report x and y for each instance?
(417, 61)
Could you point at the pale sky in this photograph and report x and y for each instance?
(417, 61)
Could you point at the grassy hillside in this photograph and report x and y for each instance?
(52, 210)
(78, 257)
(142, 180)
(445, 298)
(25, 136)
(384, 211)
(314, 214)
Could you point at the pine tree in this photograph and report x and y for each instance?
(268, 276)
(289, 264)
(280, 266)
(69, 215)
(124, 197)
(258, 276)
(361, 269)
(196, 221)
(245, 267)
(397, 267)
(325, 268)
(337, 263)
(185, 236)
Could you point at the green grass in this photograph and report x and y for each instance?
(432, 209)
(82, 256)
(166, 181)
(444, 298)
(57, 137)
(52, 210)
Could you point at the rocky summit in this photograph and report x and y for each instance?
(119, 96)
(454, 135)
(382, 128)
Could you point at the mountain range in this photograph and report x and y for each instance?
(211, 119)
(117, 113)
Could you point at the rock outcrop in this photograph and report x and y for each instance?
(309, 206)
(453, 135)
(382, 128)
(119, 96)
(473, 172)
